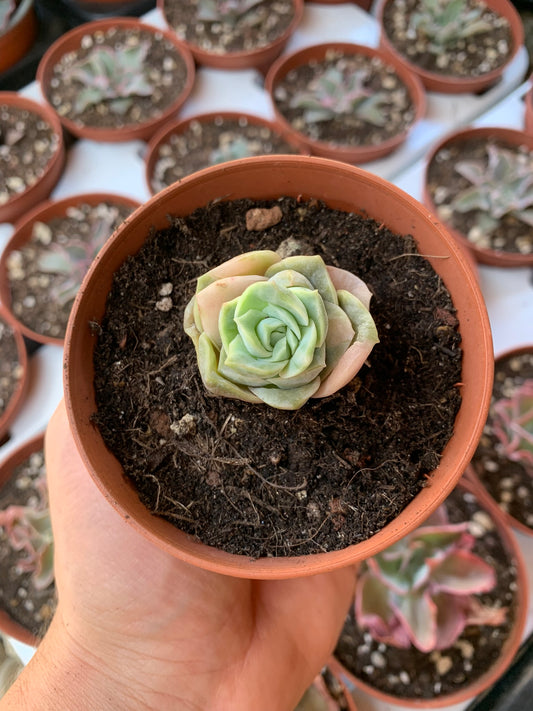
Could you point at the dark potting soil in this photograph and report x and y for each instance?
(508, 482)
(258, 27)
(10, 366)
(164, 70)
(252, 479)
(31, 608)
(212, 141)
(410, 673)
(396, 108)
(463, 57)
(42, 296)
(27, 144)
(444, 183)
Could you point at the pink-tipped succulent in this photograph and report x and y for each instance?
(337, 92)
(112, 75)
(279, 331)
(422, 590)
(228, 11)
(29, 531)
(512, 423)
(7, 8)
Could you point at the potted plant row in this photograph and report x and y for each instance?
(46, 258)
(116, 79)
(453, 46)
(345, 101)
(236, 453)
(439, 616)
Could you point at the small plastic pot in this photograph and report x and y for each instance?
(483, 255)
(350, 154)
(71, 41)
(458, 85)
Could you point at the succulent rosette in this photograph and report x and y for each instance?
(279, 331)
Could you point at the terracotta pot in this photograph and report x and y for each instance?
(350, 154)
(510, 647)
(44, 212)
(342, 187)
(20, 203)
(483, 255)
(471, 473)
(528, 111)
(71, 41)
(17, 398)
(456, 85)
(260, 58)
(19, 35)
(172, 129)
(7, 624)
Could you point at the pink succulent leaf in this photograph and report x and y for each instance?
(373, 612)
(29, 531)
(247, 263)
(417, 613)
(513, 425)
(347, 281)
(451, 619)
(479, 614)
(462, 573)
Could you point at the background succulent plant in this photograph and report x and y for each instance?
(444, 22)
(231, 147)
(502, 184)
(279, 331)
(422, 590)
(512, 423)
(229, 11)
(114, 75)
(7, 7)
(337, 92)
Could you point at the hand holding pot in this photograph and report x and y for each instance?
(135, 628)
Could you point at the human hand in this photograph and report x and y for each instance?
(136, 628)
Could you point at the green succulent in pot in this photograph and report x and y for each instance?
(279, 331)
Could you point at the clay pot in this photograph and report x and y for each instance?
(457, 85)
(471, 473)
(350, 154)
(19, 35)
(20, 203)
(17, 398)
(341, 187)
(45, 212)
(7, 624)
(71, 41)
(497, 669)
(260, 58)
(172, 129)
(483, 255)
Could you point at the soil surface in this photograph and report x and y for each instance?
(396, 108)
(410, 673)
(163, 68)
(260, 26)
(252, 479)
(507, 481)
(41, 298)
(31, 608)
(463, 58)
(208, 142)
(444, 183)
(27, 144)
(10, 366)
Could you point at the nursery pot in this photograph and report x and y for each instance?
(483, 255)
(341, 187)
(19, 35)
(71, 41)
(510, 646)
(350, 154)
(447, 84)
(7, 624)
(23, 231)
(260, 58)
(20, 203)
(17, 398)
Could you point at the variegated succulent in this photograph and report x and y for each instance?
(443, 22)
(228, 11)
(279, 331)
(336, 92)
(230, 147)
(502, 184)
(512, 424)
(422, 591)
(114, 75)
